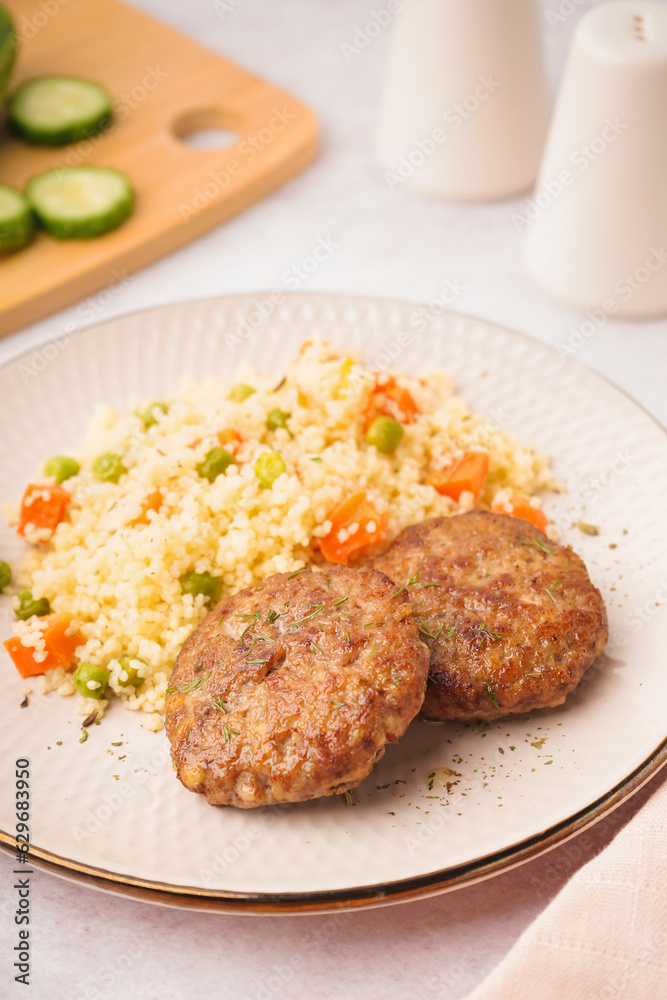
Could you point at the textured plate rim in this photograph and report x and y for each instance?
(379, 894)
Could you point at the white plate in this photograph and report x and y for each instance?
(144, 834)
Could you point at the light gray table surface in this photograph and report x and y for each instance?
(388, 243)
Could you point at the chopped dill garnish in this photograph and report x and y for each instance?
(347, 634)
(272, 616)
(217, 703)
(423, 628)
(266, 660)
(315, 648)
(337, 704)
(297, 572)
(198, 667)
(264, 638)
(492, 696)
(348, 797)
(227, 732)
(480, 725)
(370, 657)
(412, 581)
(305, 618)
(317, 459)
(485, 632)
(190, 686)
(397, 593)
(189, 736)
(537, 542)
(368, 624)
(250, 619)
(342, 601)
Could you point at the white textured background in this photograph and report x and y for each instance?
(87, 945)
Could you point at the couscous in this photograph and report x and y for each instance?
(193, 497)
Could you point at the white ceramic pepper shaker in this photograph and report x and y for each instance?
(465, 109)
(596, 227)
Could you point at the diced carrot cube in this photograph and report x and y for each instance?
(24, 660)
(370, 528)
(522, 507)
(154, 502)
(58, 639)
(59, 644)
(388, 399)
(43, 506)
(465, 474)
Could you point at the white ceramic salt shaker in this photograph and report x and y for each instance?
(596, 225)
(465, 109)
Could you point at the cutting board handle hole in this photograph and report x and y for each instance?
(206, 128)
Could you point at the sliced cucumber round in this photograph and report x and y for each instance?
(55, 110)
(17, 223)
(7, 48)
(81, 202)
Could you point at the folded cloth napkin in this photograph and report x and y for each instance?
(604, 936)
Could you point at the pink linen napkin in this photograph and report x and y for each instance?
(604, 936)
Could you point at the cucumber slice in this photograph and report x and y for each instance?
(7, 49)
(55, 110)
(17, 223)
(81, 202)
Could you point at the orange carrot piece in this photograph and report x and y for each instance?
(521, 507)
(356, 509)
(23, 658)
(42, 513)
(154, 502)
(59, 647)
(57, 639)
(225, 439)
(390, 400)
(464, 474)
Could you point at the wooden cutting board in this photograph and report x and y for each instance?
(165, 87)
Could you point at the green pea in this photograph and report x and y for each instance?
(239, 392)
(268, 467)
(133, 677)
(5, 575)
(28, 606)
(385, 434)
(91, 681)
(215, 462)
(61, 468)
(277, 418)
(201, 583)
(148, 417)
(109, 467)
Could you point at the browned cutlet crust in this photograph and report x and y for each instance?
(264, 709)
(513, 617)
